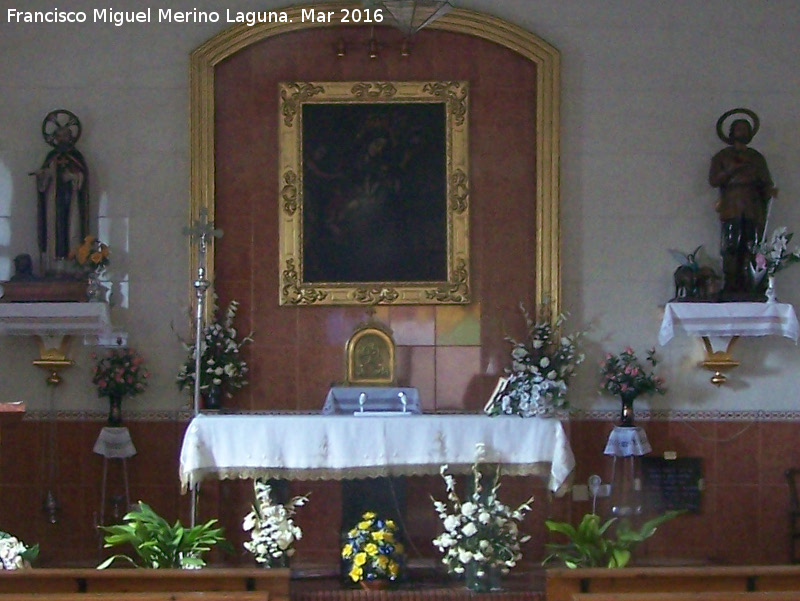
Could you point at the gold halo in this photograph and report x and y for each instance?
(755, 123)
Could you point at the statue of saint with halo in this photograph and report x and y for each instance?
(745, 191)
(62, 183)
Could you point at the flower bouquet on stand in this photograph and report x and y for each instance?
(771, 257)
(481, 538)
(541, 368)
(372, 552)
(222, 367)
(271, 527)
(14, 554)
(91, 259)
(626, 376)
(120, 373)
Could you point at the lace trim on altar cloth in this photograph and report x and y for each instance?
(197, 476)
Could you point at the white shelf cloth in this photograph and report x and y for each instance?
(729, 319)
(54, 319)
(114, 443)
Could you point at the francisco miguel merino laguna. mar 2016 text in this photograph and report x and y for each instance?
(168, 15)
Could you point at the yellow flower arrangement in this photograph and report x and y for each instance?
(91, 255)
(372, 550)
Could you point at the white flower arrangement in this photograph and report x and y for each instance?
(221, 362)
(480, 533)
(271, 527)
(541, 368)
(14, 554)
(773, 256)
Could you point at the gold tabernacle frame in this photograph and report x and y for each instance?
(366, 169)
(370, 355)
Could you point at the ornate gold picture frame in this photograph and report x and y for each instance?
(374, 193)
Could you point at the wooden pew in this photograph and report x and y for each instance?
(634, 583)
(162, 596)
(272, 584)
(690, 596)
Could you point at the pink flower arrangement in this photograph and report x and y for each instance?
(774, 255)
(121, 372)
(624, 373)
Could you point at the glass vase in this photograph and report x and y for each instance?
(482, 577)
(770, 292)
(95, 291)
(212, 398)
(115, 410)
(626, 412)
(275, 562)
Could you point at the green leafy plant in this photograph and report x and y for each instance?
(159, 544)
(595, 544)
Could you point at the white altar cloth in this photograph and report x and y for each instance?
(337, 447)
(729, 319)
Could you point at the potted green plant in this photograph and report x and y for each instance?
(159, 544)
(595, 544)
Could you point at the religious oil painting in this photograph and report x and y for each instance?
(374, 193)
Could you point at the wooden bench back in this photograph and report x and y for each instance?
(148, 596)
(691, 596)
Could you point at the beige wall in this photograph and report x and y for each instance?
(642, 86)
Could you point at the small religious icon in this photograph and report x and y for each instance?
(23, 269)
(62, 183)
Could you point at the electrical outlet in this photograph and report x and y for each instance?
(109, 340)
(580, 492)
(604, 490)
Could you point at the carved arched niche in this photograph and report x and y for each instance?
(544, 195)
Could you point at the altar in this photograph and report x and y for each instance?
(338, 447)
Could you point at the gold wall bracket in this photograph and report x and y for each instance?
(719, 361)
(53, 356)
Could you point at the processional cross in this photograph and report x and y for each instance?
(201, 232)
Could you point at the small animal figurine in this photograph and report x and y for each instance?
(685, 275)
(707, 284)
